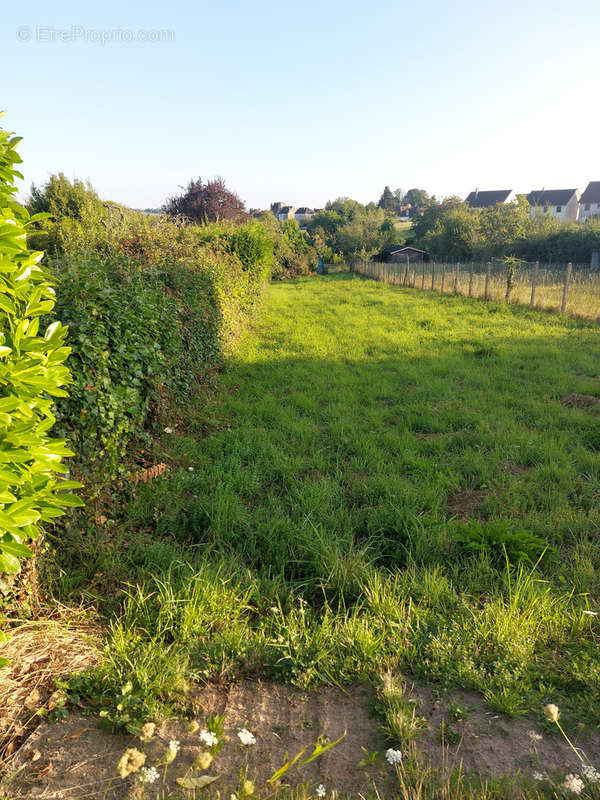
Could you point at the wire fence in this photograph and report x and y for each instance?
(570, 288)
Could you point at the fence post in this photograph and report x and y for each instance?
(405, 280)
(432, 275)
(423, 281)
(471, 280)
(486, 291)
(566, 289)
(456, 277)
(443, 277)
(536, 269)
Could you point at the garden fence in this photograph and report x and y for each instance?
(570, 288)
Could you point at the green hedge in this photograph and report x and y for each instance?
(142, 336)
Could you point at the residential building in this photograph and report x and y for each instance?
(589, 202)
(479, 199)
(561, 203)
(286, 212)
(303, 215)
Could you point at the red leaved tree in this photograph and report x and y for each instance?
(207, 202)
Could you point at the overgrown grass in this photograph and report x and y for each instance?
(382, 480)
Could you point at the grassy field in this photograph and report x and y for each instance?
(381, 480)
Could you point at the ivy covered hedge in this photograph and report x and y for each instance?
(142, 336)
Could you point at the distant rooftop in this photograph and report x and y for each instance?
(479, 199)
(592, 193)
(550, 197)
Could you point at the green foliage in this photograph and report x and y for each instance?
(317, 525)
(498, 540)
(153, 303)
(357, 232)
(143, 337)
(32, 374)
(451, 228)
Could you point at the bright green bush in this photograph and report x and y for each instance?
(32, 373)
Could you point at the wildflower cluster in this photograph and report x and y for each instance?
(393, 757)
(246, 737)
(209, 738)
(149, 775)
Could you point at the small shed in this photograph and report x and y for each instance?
(405, 255)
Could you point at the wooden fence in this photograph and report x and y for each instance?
(570, 288)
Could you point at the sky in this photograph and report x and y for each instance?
(302, 102)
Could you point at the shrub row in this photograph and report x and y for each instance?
(142, 336)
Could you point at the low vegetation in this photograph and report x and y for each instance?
(327, 481)
(381, 480)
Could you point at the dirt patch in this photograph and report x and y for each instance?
(466, 503)
(580, 401)
(38, 652)
(515, 469)
(488, 743)
(75, 759)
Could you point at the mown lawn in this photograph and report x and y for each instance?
(382, 479)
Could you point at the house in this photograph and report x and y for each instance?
(479, 199)
(303, 215)
(276, 208)
(406, 211)
(404, 255)
(589, 202)
(561, 203)
(286, 212)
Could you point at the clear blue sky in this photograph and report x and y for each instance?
(306, 101)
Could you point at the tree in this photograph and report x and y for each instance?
(207, 202)
(504, 225)
(416, 197)
(387, 201)
(61, 198)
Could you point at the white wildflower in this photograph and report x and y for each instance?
(168, 430)
(393, 756)
(539, 776)
(172, 751)
(208, 737)
(552, 712)
(149, 774)
(190, 469)
(591, 773)
(246, 737)
(535, 737)
(573, 783)
(320, 791)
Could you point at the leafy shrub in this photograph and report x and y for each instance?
(142, 336)
(498, 540)
(32, 373)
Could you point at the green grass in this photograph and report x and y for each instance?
(309, 526)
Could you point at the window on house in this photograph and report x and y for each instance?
(558, 209)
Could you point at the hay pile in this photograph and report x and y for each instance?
(39, 652)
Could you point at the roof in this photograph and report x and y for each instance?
(550, 197)
(399, 249)
(304, 210)
(592, 193)
(286, 209)
(479, 199)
